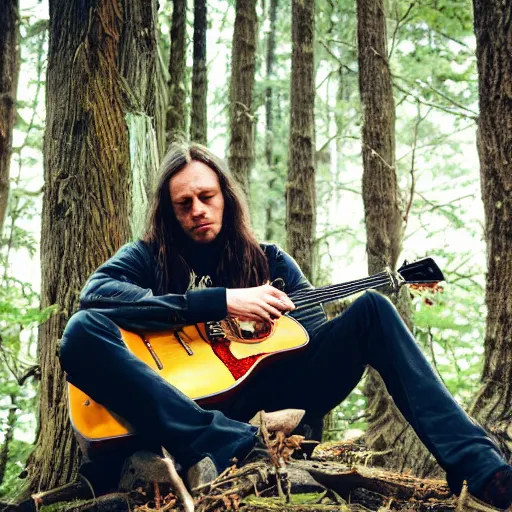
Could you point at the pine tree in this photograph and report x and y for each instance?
(199, 113)
(176, 121)
(243, 66)
(493, 403)
(9, 69)
(300, 204)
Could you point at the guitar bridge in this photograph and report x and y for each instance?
(184, 344)
(159, 364)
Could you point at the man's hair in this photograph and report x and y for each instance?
(242, 261)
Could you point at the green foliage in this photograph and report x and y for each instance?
(18, 453)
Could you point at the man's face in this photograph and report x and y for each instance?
(197, 201)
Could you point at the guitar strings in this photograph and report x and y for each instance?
(316, 298)
(335, 287)
(303, 300)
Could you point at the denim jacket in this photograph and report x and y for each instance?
(125, 289)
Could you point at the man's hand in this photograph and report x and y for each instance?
(258, 303)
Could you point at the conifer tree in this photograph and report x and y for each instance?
(301, 196)
(243, 66)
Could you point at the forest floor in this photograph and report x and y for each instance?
(334, 476)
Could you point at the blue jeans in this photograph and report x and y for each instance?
(369, 332)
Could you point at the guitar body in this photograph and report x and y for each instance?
(205, 370)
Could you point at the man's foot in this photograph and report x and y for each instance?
(201, 474)
(498, 490)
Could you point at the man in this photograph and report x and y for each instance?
(199, 261)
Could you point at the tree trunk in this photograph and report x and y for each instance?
(198, 118)
(493, 403)
(176, 123)
(269, 135)
(243, 65)
(88, 183)
(9, 70)
(387, 428)
(8, 437)
(300, 203)
(141, 66)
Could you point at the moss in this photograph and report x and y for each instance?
(61, 506)
(307, 502)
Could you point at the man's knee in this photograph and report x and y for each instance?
(74, 338)
(377, 300)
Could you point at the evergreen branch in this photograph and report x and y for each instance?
(399, 24)
(451, 38)
(336, 58)
(437, 206)
(461, 277)
(338, 41)
(447, 98)
(419, 119)
(33, 371)
(433, 105)
(435, 142)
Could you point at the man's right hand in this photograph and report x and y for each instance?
(258, 303)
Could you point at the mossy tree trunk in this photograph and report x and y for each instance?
(199, 116)
(301, 194)
(243, 66)
(493, 403)
(176, 122)
(95, 103)
(9, 70)
(387, 429)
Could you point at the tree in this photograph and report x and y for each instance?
(199, 116)
(300, 202)
(243, 65)
(95, 54)
(269, 116)
(176, 121)
(387, 428)
(9, 69)
(493, 403)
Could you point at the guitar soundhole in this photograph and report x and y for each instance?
(255, 331)
(241, 331)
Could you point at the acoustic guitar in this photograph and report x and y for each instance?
(208, 361)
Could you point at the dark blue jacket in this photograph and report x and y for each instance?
(126, 289)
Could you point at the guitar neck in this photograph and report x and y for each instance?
(307, 298)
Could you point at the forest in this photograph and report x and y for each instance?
(362, 132)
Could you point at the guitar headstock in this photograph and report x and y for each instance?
(421, 271)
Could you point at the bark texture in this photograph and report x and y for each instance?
(9, 70)
(146, 102)
(493, 29)
(176, 121)
(243, 65)
(199, 118)
(269, 117)
(301, 195)
(387, 429)
(8, 436)
(88, 183)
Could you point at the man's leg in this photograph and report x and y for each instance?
(97, 361)
(371, 332)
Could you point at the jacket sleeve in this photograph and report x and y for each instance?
(122, 289)
(285, 267)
